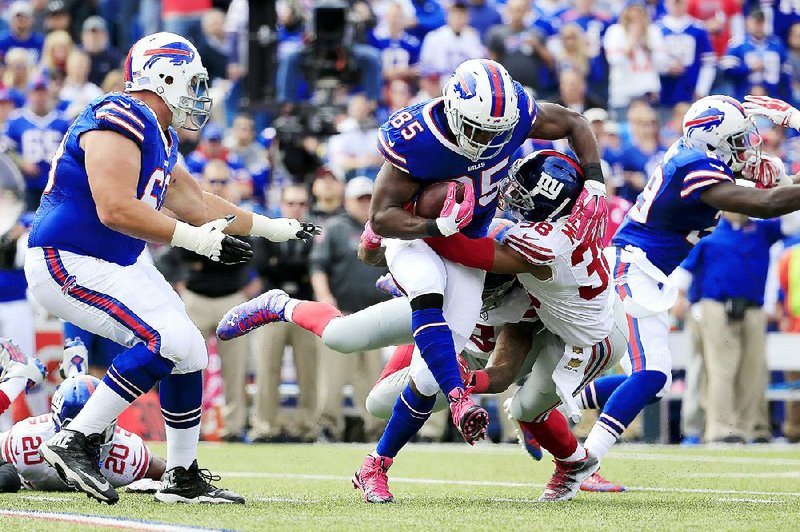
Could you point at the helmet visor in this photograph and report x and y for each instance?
(197, 105)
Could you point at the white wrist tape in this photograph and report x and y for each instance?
(275, 229)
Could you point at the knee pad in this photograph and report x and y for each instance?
(183, 344)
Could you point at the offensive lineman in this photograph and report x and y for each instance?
(113, 172)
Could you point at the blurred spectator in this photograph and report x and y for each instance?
(758, 63)
(39, 10)
(789, 281)
(593, 24)
(21, 34)
(35, 132)
(211, 289)
(291, 26)
(691, 63)
(18, 75)
(58, 17)
(210, 148)
(397, 95)
(7, 107)
(284, 265)
(793, 60)
(642, 153)
(731, 267)
(672, 130)
(635, 53)
(77, 90)
(520, 46)
(569, 50)
(428, 16)
(340, 279)
(104, 58)
(447, 47)
(483, 14)
(779, 16)
(399, 49)
(213, 46)
(327, 191)
(363, 20)
(722, 20)
(572, 92)
(56, 49)
(252, 155)
(113, 82)
(352, 152)
(184, 17)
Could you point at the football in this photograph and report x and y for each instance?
(431, 199)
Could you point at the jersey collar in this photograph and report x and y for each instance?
(436, 129)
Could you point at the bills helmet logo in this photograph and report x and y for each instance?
(177, 53)
(466, 84)
(706, 121)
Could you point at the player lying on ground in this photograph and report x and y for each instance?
(113, 172)
(124, 458)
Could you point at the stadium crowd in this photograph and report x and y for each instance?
(631, 67)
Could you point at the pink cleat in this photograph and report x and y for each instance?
(568, 477)
(598, 484)
(372, 480)
(470, 419)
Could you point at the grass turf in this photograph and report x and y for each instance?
(449, 487)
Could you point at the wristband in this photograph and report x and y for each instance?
(432, 228)
(593, 172)
(480, 381)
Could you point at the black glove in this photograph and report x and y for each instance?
(234, 251)
(308, 230)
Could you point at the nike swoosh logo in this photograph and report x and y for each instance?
(720, 168)
(390, 142)
(125, 105)
(104, 486)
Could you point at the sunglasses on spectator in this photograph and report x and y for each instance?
(217, 181)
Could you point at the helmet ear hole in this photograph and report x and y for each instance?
(168, 80)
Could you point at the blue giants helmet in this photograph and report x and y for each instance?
(70, 397)
(543, 186)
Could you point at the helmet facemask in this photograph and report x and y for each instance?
(743, 148)
(478, 141)
(192, 111)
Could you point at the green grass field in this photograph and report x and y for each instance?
(454, 487)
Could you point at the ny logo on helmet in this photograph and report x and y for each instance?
(707, 120)
(466, 84)
(548, 187)
(178, 53)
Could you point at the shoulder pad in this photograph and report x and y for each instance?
(540, 243)
(124, 114)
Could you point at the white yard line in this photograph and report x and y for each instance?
(782, 474)
(499, 484)
(754, 501)
(97, 520)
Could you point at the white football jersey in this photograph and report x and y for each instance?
(576, 303)
(517, 306)
(125, 459)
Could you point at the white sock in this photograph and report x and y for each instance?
(13, 387)
(579, 454)
(599, 441)
(182, 446)
(288, 310)
(100, 411)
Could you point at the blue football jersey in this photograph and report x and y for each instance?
(67, 217)
(418, 141)
(689, 44)
(36, 138)
(774, 77)
(669, 217)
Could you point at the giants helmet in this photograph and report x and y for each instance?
(718, 124)
(543, 186)
(481, 104)
(169, 65)
(70, 397)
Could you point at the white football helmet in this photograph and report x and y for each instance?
(169, 65)
(719, 124)
(480, 101)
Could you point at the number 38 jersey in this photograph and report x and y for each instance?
(122, 461)
(67, 217)
(576, 302)
(418, 141)
(669, 217)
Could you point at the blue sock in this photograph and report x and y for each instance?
(181, 397)
(629, 399)
(435, 341)
(597, 392)
(135, 371)
(410, 412)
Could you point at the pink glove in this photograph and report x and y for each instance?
(590, 213)
(455, 216)
(370, 239)
(766, 172)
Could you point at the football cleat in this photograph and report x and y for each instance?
(525, 436)
(14, 364)
(598, 484)
(372, 480)
(75, 457)
(470, 419)
(386, 284)
(75, 359)
(568, 477)
(194, 486)
(146, 486)
(267, 308)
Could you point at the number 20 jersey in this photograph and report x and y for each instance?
(122, 461)
(67, 217)
(418, 141)
(669, 217)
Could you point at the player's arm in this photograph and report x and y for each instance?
(388, 216)
(156, 468)
(191, 204)
(756, 202)
(513, 345)
(486, 254)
